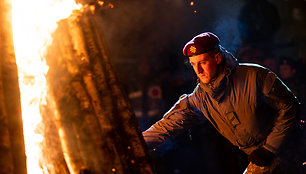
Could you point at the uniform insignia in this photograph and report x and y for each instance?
(193, 49)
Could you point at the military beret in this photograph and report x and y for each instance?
(201, 43)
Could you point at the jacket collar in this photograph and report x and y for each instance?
(216, 88)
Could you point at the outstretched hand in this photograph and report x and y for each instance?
(261, 157)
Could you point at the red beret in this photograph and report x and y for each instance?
(200, 44)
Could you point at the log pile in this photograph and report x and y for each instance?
(88, 124)
(93, 124)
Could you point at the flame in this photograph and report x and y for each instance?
(33, 22)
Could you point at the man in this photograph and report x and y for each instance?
(247, 103)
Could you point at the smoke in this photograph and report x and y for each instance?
(229, 39)
(138, 28)
(141, 28)
(226, 24)
(153, 30)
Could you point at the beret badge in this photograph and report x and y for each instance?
(193, 49)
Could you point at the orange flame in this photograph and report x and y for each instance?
(33, 23)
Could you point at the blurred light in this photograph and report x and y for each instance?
(110, 5)
(191, 3)
(114, 170)
(100, 3)
(92, 9)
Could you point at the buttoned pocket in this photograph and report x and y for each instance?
(233, 119)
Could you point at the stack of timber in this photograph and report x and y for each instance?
(93, 124)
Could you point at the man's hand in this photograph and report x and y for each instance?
(261, 157)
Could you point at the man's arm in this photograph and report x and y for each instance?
(181, 116)
(281, 98)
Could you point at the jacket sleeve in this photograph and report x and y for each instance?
(286, 104)
(181, 116)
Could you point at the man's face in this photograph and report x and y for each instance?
(205, 65)
(286, 71)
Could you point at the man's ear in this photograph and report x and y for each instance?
(218, 57)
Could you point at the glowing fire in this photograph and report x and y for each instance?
(33, 22)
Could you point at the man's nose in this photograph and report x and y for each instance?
(199, 69)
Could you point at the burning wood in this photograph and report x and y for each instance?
(86, 124)
(96, 127)
(12, 152)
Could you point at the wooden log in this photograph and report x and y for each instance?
(121, 117)
(12, 158)
(99, 131)
(51, 159)
(73, 105)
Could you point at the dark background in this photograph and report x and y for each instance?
(151, 35)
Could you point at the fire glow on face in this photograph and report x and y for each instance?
(33, 23)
